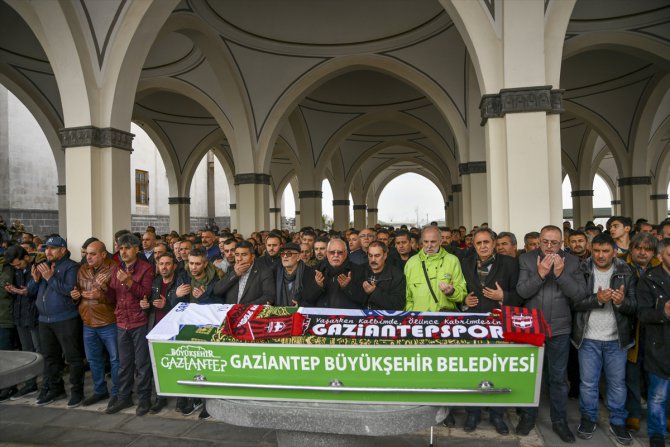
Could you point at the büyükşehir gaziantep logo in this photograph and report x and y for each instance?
(193, 358)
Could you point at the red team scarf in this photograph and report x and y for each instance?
(523, 325)
(243, 323)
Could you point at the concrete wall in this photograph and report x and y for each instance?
(28, 177)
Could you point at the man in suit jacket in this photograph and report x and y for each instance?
(248, 282)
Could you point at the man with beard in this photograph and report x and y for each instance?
(296, 282)
(185, 248)
(320, 247)
(59, 323)
(271, 257)
(385, 283)
(342, 279)
(201, 277)
(641, 257)
(491, 280)
(96, 307)
(550, 280)
(208, 243)
(578, 244)
(131, 283)
(602, 331)
(434, 278)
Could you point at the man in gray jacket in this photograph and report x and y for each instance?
(550, 280)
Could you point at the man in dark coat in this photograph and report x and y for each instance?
(248, 282)
(653, 312)
(384, 283)
(342, 279)
(491, 279)
(296, 282)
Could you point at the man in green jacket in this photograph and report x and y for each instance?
(434, 278)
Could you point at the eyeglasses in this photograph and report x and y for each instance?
(287, 254)
(550, 243)
(336, 252)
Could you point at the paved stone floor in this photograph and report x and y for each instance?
(24, 424)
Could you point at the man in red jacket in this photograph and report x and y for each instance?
(131, 282)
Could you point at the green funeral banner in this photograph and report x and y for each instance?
(490, 375)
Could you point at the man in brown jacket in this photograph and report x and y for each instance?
(96, 308)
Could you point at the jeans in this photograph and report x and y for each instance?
(556, 350)
(134, 354)
(656, 404)
(30, 342)
(595, 356)
(62, 338)
(95, 338)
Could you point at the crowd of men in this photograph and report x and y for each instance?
(604, 295)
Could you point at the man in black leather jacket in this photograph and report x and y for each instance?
(603, 332)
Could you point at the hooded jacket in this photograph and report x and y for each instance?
(440, 267)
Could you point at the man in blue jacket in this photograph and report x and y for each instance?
(59, 323)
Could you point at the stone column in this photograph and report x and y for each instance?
(447, 216)
(521, 198)
(372, 216)
(275, 218)
(298, 222)
(233, 216)
(474, 193)
(659, 203)
(359, 216)
(634, 193)
(310, 208)
(211, 189)
(4, 157)
(456, 205)
(341, 216)
(253, 200)
(62, 210)
(616, 207)
(97, 166)
(180, 214)
(582, 207)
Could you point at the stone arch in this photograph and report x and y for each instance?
(634, 43)
(643, 153)
(173, 85)
(379, 169)
(438, 164)
(169, 159)
(605, 132)
(211, 142)
(397, 174)
(47, 122)
(341, 65)
(336, 140)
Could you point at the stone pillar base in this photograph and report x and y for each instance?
(313, 424)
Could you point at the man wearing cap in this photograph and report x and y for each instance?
(59, 323)
(296, 282)
(131, 283)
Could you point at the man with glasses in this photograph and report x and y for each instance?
(342, 279)
(434, 278)
(550, 280)
(296, 282)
